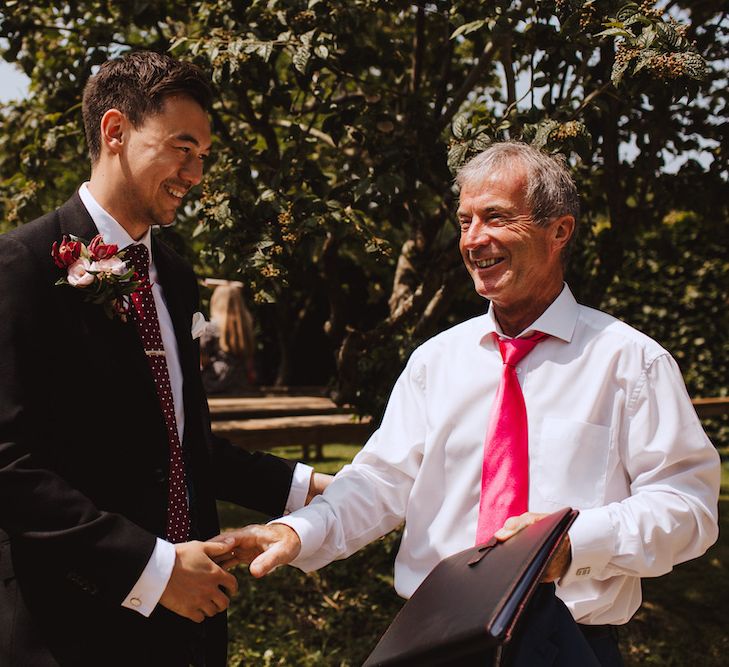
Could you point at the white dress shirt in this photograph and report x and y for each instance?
(146, 593)
(612, 432)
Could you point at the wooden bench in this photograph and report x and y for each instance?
(711, 407)
(304, 430)
(274, 420)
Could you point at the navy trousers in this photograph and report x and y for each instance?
(548, 636)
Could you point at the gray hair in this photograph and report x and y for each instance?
(550, 190)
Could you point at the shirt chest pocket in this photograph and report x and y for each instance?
(572, 462)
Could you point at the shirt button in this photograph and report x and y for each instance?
(135, 602)
(518, 369)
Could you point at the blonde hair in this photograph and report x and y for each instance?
(229, 312)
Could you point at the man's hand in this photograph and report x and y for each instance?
(560, 561)
(264, 547)
(319, 481)
(194, 589)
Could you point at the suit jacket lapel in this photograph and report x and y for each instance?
(115, 337)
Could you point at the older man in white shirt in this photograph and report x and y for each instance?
(611, 429)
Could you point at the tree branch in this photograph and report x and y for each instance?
(487, 56)
(260, 125)
(508, 64)
(418, 48)
(594, 94)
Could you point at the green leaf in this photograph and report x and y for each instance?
(618, 71)
(301, 58)
(615, 32)
(467, 28)
(543, 130)
(457, 156)
(668, 36)
(460, 125)
(264, 51)
(628, 10)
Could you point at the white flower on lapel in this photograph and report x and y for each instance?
(198, 325)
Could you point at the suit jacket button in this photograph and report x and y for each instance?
(160, 475)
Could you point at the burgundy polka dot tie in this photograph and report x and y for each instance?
(144, 314)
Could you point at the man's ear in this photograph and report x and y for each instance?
(114, 130)
(562, 230)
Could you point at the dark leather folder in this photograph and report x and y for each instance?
(470, 603)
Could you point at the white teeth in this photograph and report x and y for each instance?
(175, 193)
(486, 263)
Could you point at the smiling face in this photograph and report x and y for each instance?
(513, 263)
(145, 172)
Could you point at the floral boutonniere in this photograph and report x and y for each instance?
(99, 270)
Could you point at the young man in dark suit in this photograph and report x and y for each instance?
(108, 469)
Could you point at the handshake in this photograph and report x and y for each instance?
(200, 584)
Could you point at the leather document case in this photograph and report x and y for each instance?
(470, 603)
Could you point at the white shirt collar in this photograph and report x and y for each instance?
(558, 320)
(109, 228)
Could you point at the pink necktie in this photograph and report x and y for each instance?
(505, 472)
(145, 317)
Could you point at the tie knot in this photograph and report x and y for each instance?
(138, 256)
(513, 350)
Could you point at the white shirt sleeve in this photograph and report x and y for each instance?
(671, 513)
(146, 593)
(299, 487)
(368, 498)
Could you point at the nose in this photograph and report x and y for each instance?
(192, 170)
(477, 234)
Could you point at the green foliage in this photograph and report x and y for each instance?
(680, 296)
(654, 46)
(339, 127)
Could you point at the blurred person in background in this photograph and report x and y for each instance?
(227, 345)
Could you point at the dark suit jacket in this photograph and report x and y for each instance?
(84, 461)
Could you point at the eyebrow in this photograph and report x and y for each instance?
(189, 138)
(487, 211)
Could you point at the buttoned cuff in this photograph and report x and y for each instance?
(146, 593)
(299, 487)
(592, 539)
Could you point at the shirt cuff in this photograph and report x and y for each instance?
(149, 587)
(592, 539)
(299, 487)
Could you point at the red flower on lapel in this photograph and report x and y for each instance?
(99, 270)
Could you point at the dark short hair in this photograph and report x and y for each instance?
(137, 84)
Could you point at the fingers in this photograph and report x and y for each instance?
(243, 545)
(229, 583)
(197, 586)
(266, 546)
(218, 546)
(283, 545)
(516, 523)
(267, 562)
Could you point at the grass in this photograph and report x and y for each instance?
(333, 617)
